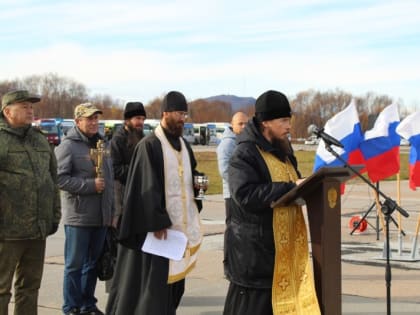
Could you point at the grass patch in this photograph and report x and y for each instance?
(207, 163)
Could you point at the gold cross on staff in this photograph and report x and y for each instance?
(97, 155)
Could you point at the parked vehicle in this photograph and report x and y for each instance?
(189, 132)
(201, 134)
(110, 126)
(64, 125)
(312, 140)
(147, 129)
(50, 129)
(212, 134)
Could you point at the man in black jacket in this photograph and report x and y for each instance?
(268, 268)
(122, 147)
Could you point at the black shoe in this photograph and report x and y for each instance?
(94, 311)
(73, 311)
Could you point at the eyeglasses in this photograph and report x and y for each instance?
(182, 114)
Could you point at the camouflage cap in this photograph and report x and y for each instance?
(86, 110)
(18, 96)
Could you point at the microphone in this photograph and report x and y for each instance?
(312, 129)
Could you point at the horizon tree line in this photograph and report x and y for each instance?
(59, 96)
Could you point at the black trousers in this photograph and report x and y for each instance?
(139, 285)
(228, 201)
(247, 301)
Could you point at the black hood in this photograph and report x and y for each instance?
(252, 134)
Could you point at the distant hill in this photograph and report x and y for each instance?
(236, 102)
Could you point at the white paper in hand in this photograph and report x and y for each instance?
(173, 247)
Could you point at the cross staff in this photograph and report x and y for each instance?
(97, 155)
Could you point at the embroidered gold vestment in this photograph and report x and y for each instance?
(293, 289)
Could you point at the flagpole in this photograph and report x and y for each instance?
(399, 215)
(379, 214)
(387, 207)
(399, 200)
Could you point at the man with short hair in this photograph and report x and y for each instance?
(29, 202)
(86, 179)
(268, 263)
(123, 143)
(224, 152)
(159, 195)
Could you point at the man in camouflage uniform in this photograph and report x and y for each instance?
(29, 202)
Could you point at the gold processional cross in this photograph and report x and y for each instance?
(97, 155)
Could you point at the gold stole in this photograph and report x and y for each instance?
(293, 289)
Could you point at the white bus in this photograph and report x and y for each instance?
(220, 128)
(201, 134)
(189, 133)
(212, 134)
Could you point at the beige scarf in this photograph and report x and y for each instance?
(180, 204)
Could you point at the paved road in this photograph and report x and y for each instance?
(363, 269)
(296, 147)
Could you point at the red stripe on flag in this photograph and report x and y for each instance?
(414, 175)
(383, 165)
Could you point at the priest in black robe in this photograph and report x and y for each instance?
(159, 195)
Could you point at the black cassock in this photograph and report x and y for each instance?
(139, 285)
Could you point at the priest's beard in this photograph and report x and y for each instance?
(134, 135)
(174, 126)
(283, 146)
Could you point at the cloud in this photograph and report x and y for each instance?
(213, 47)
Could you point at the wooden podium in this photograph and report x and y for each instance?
(321, 193)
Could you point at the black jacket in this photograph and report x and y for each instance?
(249, 234)
(121, 154)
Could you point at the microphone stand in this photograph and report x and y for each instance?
(387, 208)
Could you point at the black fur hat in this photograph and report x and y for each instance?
(271, 105)
(174, 102)
(134, 109)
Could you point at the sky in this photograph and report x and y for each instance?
(142, 49)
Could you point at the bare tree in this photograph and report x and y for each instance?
(215, 111)
(111, 109)
(153, 108)
(59, 96)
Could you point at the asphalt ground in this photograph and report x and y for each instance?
(363, 263)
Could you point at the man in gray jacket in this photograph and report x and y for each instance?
(86, 178)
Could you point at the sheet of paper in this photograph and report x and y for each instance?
(173, 247)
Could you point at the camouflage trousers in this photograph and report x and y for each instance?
(23, 259)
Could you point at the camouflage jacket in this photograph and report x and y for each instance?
(29, 195)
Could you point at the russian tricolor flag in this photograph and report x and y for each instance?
(409, 129)
(381, 147)
(345, 127)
